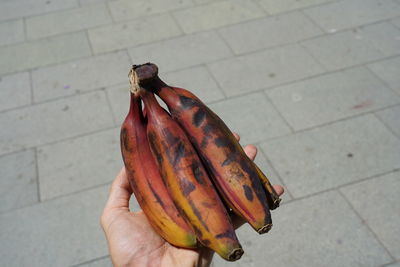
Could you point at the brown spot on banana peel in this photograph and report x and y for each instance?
(248, 192)
(220, 138)
(198, 117)
(187, 187)
(198, 175)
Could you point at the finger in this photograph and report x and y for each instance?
(251, 151)
(120, 192)
(278, 189)
(236, 136)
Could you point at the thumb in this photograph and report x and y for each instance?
(120, 192)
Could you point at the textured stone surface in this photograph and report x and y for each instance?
(244, 74)
(43, 52)
(11, 32)
(67, 21)
(388, 70)
(357, 46)
(126, 9)
(106, 262)
(252, 116)
(62, 170)
(218, 14)
(331, 97)
(391, 118)
(198, 80)
(269, 32)
(68, 229)
(80, 76)
(273, 6)
(333, 155)
(353, 13)
(382, 216)
(306, 229)
(52, 121)
(15, 90)
(132, 33)
(18, 183)
(17, 9)
(182, 52)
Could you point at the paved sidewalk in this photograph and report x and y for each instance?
(315, 84)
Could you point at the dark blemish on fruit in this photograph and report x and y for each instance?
(125, 140)
(198, 214)
(187, 102)
(187, 187)
(206, 242)
(179, 153)
(151, 137)
(228, 234)
(221, 142)
(159, 200)
(207, 205)
(208, 129)
(197, 231)
(248, 192)
(198, 117)
(170, 138)
(231, 157)
(198, 174)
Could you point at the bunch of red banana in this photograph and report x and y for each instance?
(186, 168)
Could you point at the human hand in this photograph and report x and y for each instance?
(133, 242)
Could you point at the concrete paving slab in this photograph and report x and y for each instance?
(18, 183)
(358, 46)
(132, 33)
(352, 13)
(391, 118)
(126, 10)
(15, 90)
(388, 70)
(63, 171)
(268, 32)
(66, 21)
(274, 7)
(252, 116)
(63, 232)
(43, 52)
(23, 8)
(198, 80)
(331, 97)
(80, 75)
(11, 32)
(334, 155)
(106, 262)
(218, 14)
(376, 200)
(317, 231)
(53, 121)
(182, 52)
(271, 67)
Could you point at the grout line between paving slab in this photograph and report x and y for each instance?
(216, 82)
(31, 90)
(86, 31)
(312, 21)
(110, 107)
(90, 261)
(387, 126)
(278, 112)
(388, 264)
(109, 12)
(171, 38)
(380, 79)
(366, 224)
(37, 173)
(261, 150)
(171, 14)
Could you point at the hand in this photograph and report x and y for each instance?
(133, 242)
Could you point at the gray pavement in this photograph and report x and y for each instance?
(315, 84)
